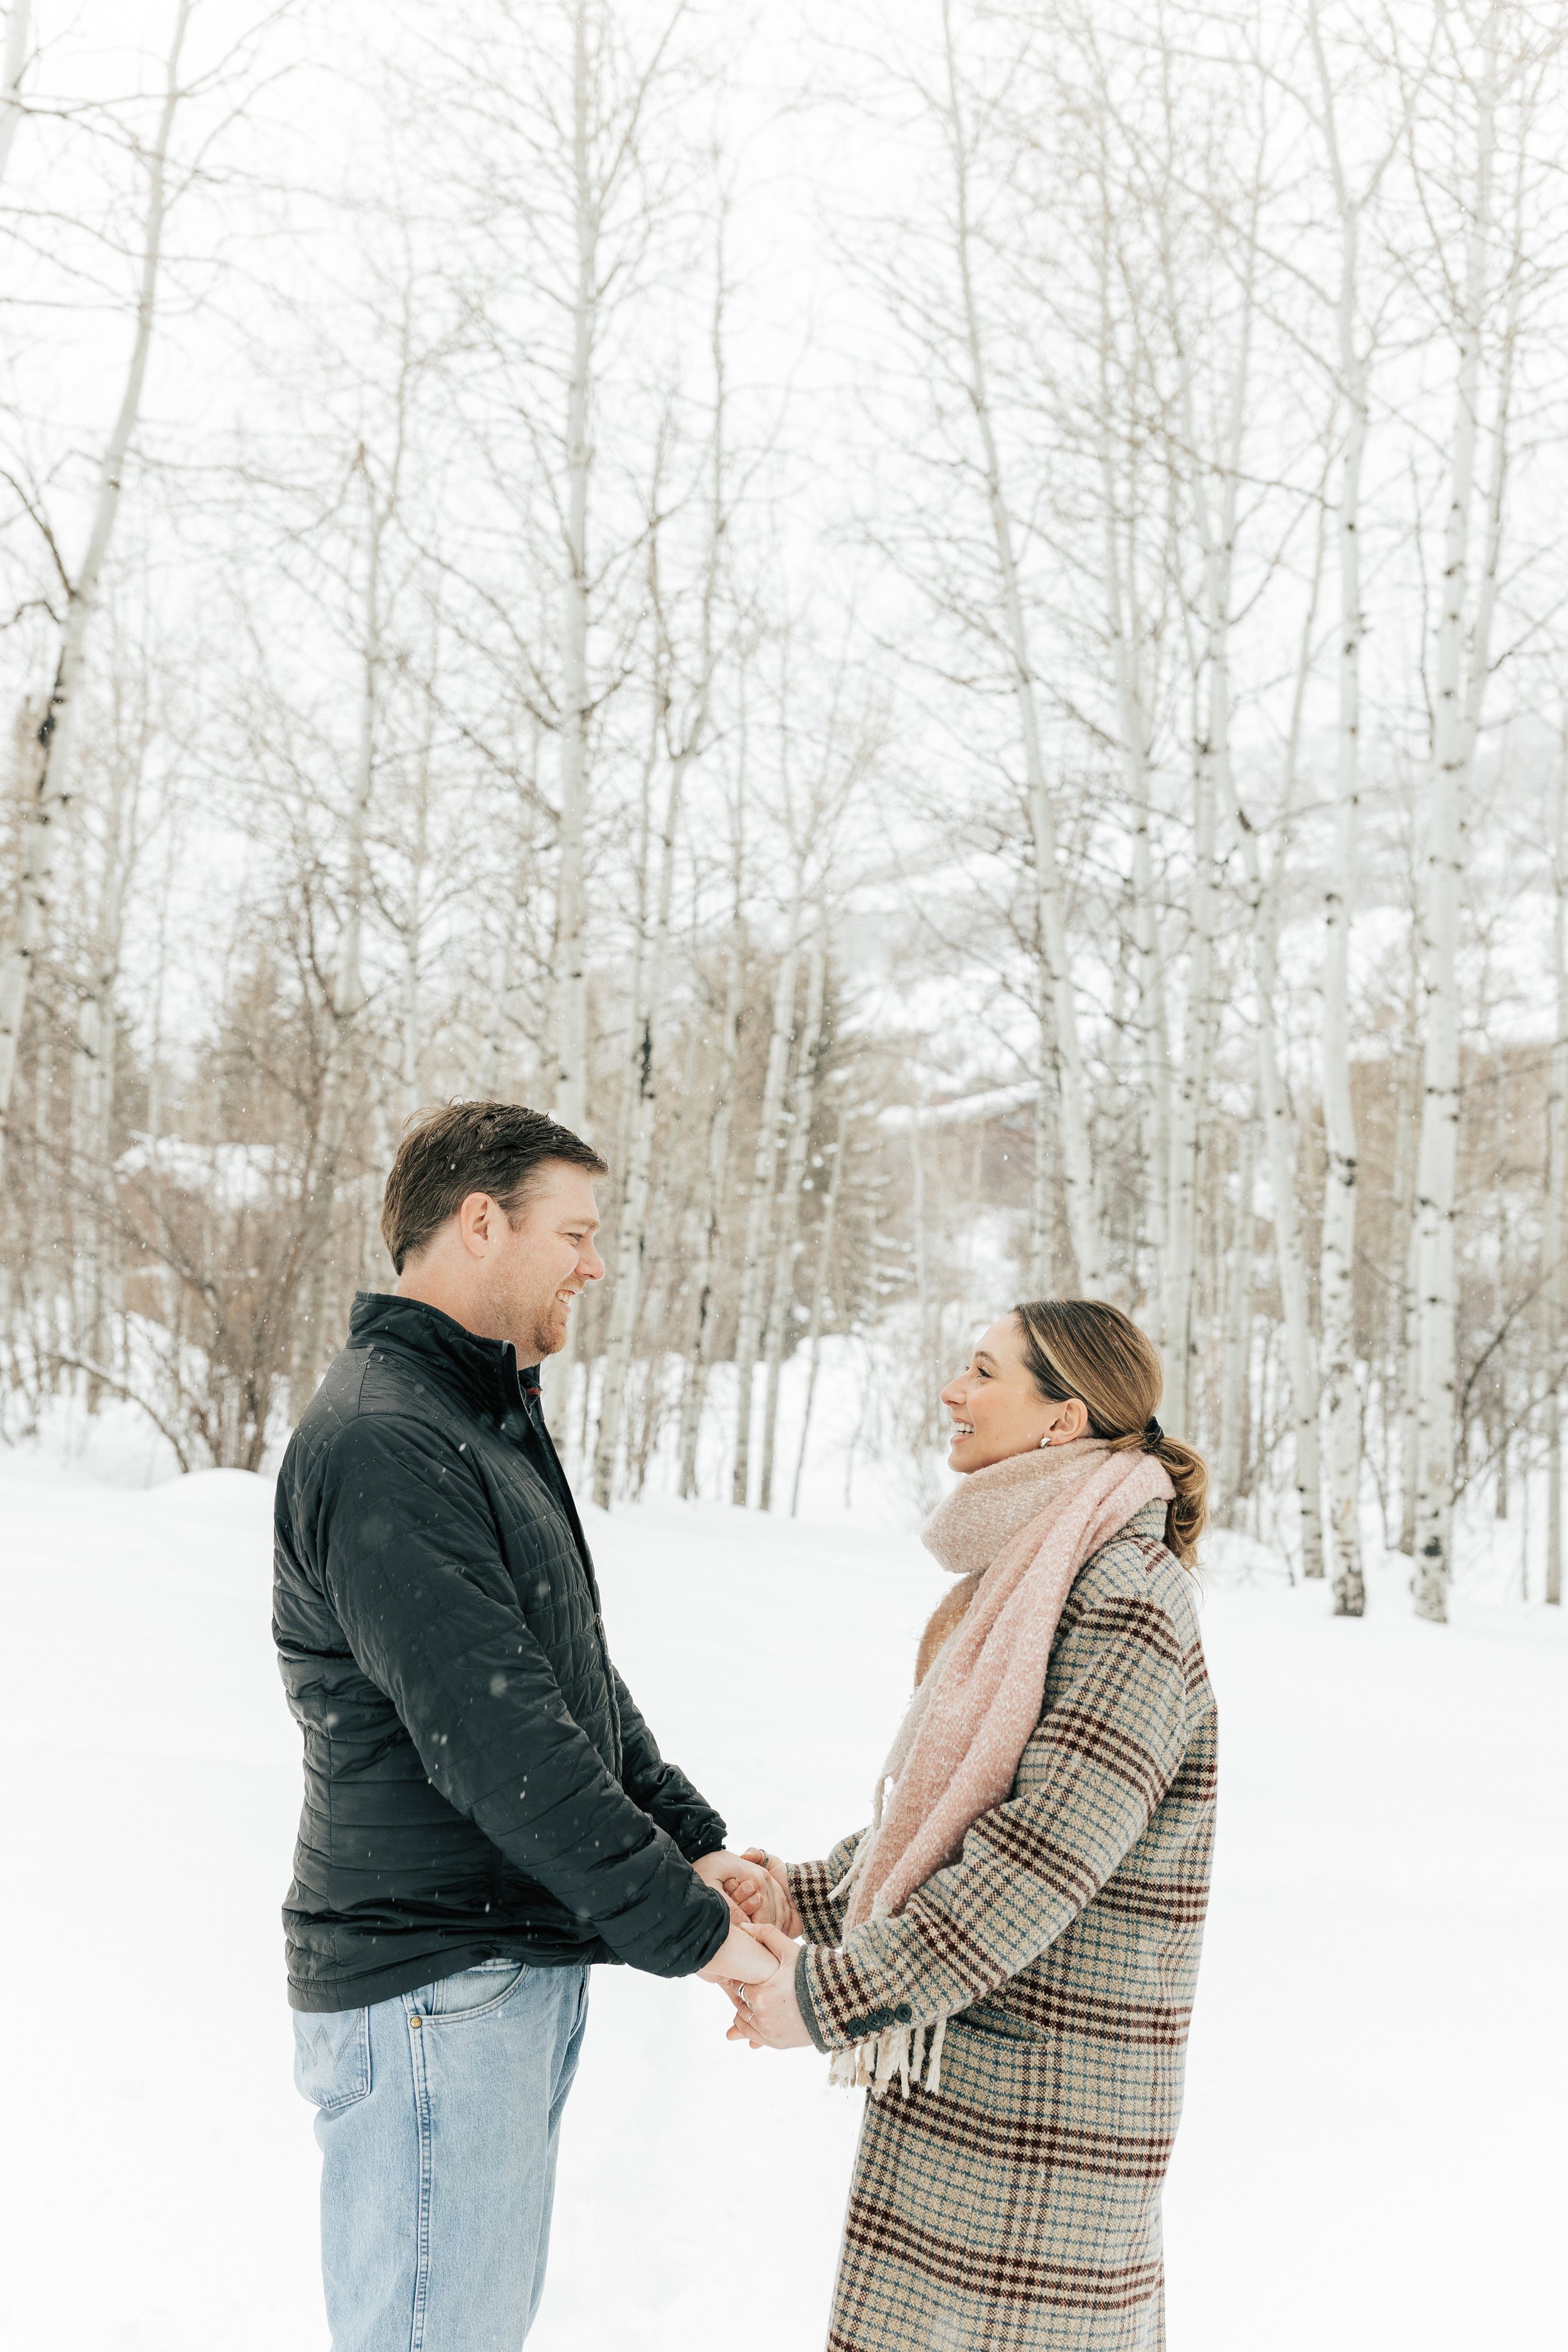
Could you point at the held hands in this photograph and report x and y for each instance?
(755, 1964)
(741, 1959)
(782, 1912)
(755, 1884)
(767, 2015)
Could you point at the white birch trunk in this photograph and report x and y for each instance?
(571, 917)
(570, 963)
(820, 1296)
(53, 778)
(631, 1229)
(1133, 720)
(1408, 1233)
(411, 1011)
(1211, 783)
(1077, 1162)
(314, 1343)
(104, 1289)
(1300, 1354)
(1042, 1188)
(1337, 1261)
(1342, 1401)
(1557, 1201)
(1236, 1381)
(699, 1353)
(803, 1105)
(1179, 1288)
(651, 958)
(1459, 686)
(757, 1261)
(18, 20)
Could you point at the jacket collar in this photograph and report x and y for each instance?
(484, 1372)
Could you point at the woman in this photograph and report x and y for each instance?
(1007, 1956)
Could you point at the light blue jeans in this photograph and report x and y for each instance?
(437, 2114)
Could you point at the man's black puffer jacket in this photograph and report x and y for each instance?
(478, 1783)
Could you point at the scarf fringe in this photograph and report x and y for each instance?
(902, 2055)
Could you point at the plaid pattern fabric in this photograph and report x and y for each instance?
(1018, 2207)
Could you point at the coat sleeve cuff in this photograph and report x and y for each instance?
(721, 1929)
(803, 2001)
(840, 2002)
(710, 1836)
(831, 2000)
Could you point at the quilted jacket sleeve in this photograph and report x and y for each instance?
(662, 1789)
(412, 1562)
(1110, 1741)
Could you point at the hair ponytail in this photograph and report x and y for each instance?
(1187, 1516)
(1084, 1347)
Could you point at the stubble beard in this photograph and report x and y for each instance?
(536, 1327)
(551, 1330)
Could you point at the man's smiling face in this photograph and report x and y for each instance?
(542, 1258)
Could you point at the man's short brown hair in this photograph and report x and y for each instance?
(469, 1147)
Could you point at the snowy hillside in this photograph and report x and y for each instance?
(1373, 2152)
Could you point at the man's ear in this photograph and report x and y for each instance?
(476, 1221)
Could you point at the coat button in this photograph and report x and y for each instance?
(903, 2012)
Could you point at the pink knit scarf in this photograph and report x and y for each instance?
(1029, 1523)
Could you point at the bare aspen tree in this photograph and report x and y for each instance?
(609, 99)
(1060, 1071)
(1300, 1346)
(801, 1109)
(568, 193)
(1337, 1278)
(100, 1301)
(571, 903)
(1214, 517)
(1463, 663)
(1235, 1357)
(347, 1002)
(52, 778)
(757, 1262)
(1341, 1401)
(651, 960)
(412, 924)
(1557, 1183)
(1406, 1239)
(18, 28)
(825, 1233)
(643, 1087)
(699, 1343)
(1126, 493)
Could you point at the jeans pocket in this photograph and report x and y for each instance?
(472, 1990)
(332, 2057)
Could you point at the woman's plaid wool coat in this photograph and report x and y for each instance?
(1018, 2207)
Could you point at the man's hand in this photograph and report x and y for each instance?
(741, 1959)
(779, 1910)
(767, 2015)
(751, 1893)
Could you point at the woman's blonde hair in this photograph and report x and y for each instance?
(1083, 1347)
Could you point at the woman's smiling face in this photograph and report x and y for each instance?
(996, 1409)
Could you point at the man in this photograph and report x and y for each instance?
(486, 1812)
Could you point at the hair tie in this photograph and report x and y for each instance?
(1152, 1435)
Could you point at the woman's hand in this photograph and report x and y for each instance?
(743, 1958)
(777, 1908)
(768, 2015)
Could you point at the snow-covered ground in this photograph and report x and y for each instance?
(1373, 2151)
